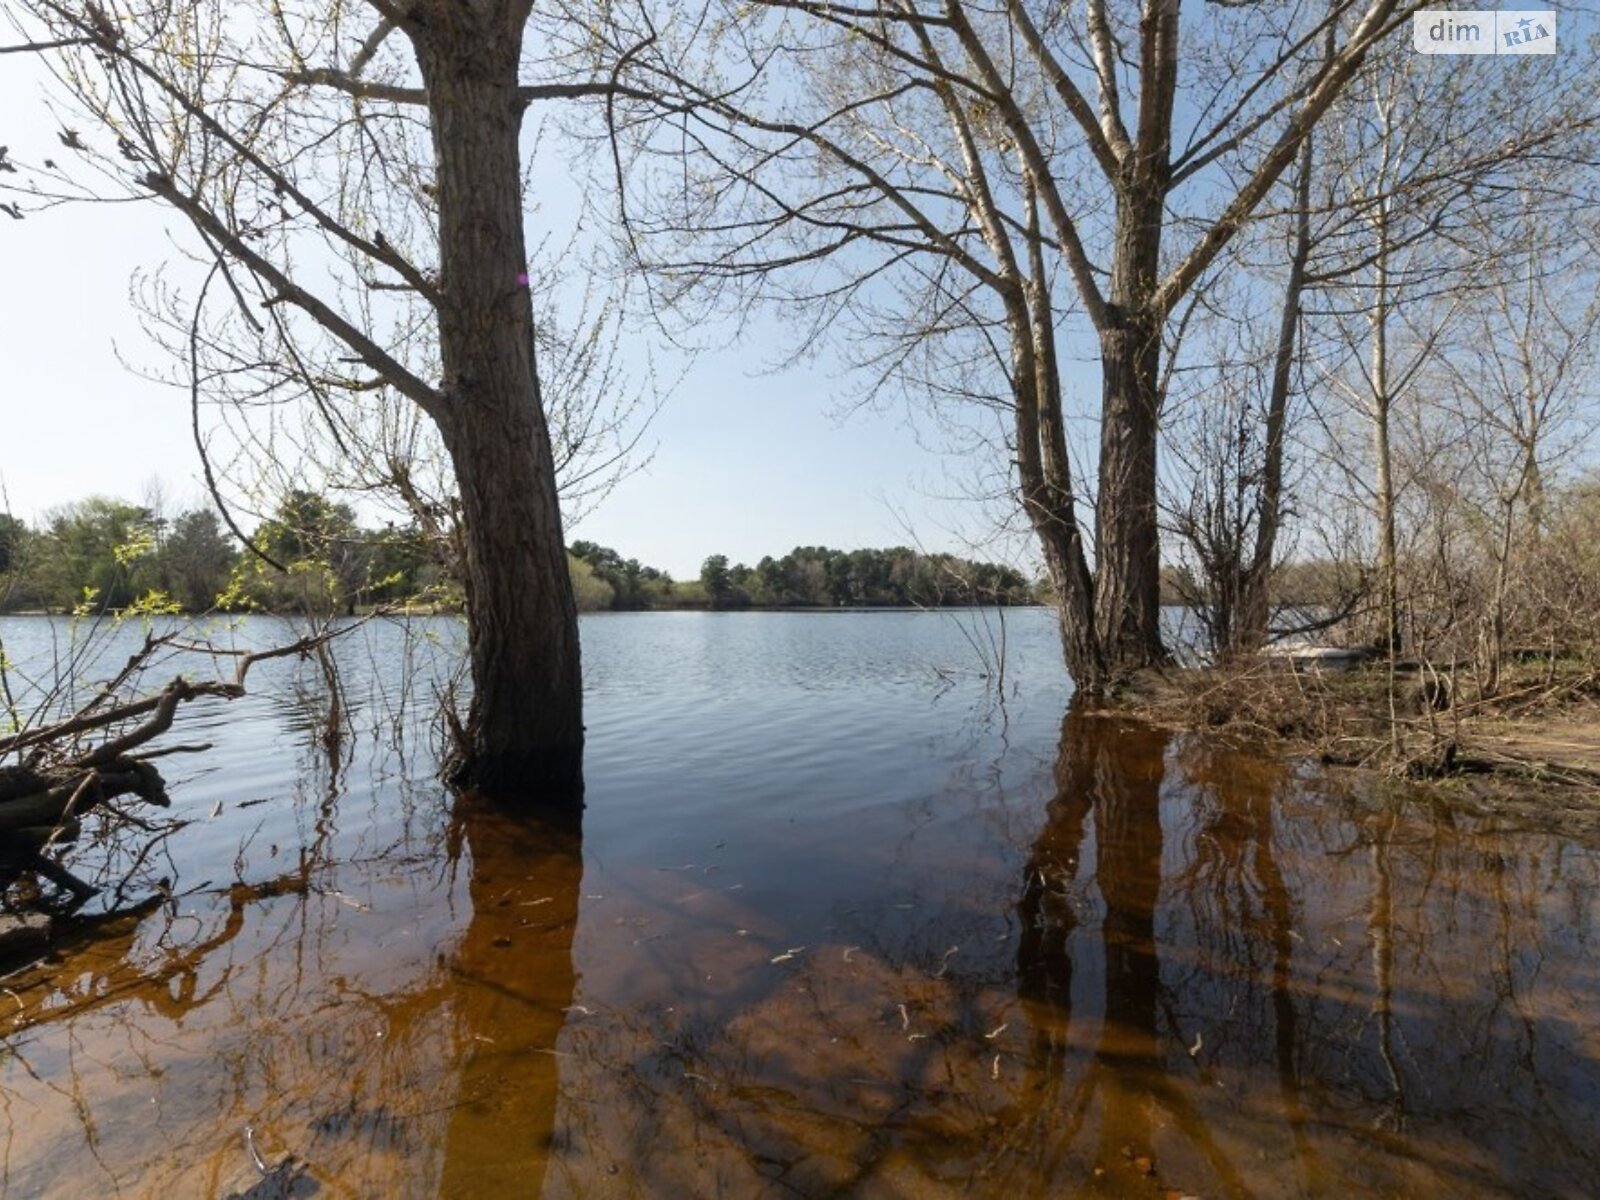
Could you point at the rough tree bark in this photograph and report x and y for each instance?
(1127, 534)
(1127, 538)
(525, 728)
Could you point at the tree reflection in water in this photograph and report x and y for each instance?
(391, 1023)
(1109, 775)
(513, 983)
(1156, 964)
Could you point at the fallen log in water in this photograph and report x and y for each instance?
(61, 772)
(32, 798)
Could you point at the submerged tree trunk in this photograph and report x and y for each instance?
(524, 732)
(188, 119)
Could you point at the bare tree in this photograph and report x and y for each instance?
(1421, 158)
(1388, 230)
(986, 173)
(355, 173)
(1517, 398)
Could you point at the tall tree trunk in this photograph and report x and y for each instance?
(1046, 471)
(1050, 511)
(1388, 559)
(1127, 541)
(1127, 537)
(524, 732)
(1255, 603)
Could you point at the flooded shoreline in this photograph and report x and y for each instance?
(829, 929)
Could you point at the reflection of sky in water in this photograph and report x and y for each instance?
(839, 925)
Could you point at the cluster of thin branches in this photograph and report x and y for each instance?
(72, 760)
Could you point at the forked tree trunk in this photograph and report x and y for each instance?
(524, 733)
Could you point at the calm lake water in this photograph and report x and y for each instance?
(846, 917)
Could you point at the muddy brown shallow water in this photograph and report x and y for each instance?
(823, 934)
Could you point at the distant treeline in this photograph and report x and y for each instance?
(103, 554)
(806, 577)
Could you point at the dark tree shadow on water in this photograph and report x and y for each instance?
(1241, 981)
(1342, 962)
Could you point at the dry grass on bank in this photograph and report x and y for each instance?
(1542, 727)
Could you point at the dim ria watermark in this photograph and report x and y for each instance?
(1484, 31)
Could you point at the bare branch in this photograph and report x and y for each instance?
(426, 397)
(57, 44)
(593, 89)
(352, 85)
(372, 45)
(1381, 16)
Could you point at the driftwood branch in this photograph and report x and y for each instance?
(56, 779)
(163, 704)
